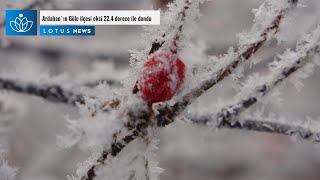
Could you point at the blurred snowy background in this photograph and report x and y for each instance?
(186, 152)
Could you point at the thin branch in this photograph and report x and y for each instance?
(53, 93)
(56, 93)
(110, 82)
(146, 166)
(265, 126)
(139, 129)
(227, 116)
(116, 148)
(168, 113)
(157, 44)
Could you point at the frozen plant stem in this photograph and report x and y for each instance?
(168, 113)
(264, 126)
(51, 93)
(116, 148)
(110, 82)
(157, 44)
(227, 116)
(138, 129)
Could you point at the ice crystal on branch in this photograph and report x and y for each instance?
(98, 130)
(136, 162)
(177, 26)
(264, 15)
(257, 87)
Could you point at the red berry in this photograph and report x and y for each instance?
(161, 77)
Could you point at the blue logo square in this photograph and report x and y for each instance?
(21, 22)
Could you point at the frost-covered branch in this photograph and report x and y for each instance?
(139, 120)
(265, 126)
(53, 93)
(289, 63)
(257, 87)
(244, 52)
(67, 88)
(115, 149)
(111, 82)
(180, 21)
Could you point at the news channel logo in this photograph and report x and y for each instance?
(21, 22)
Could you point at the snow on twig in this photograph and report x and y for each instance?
(67, 88)
(230, 62)
(264, 126)
(135, 118)
(53, 93)
(177, 26)
(257, 87)
(116, 148)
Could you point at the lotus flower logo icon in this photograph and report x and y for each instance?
(21, 24)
